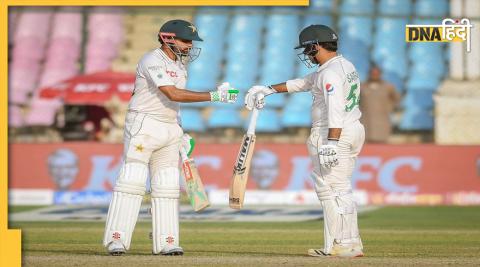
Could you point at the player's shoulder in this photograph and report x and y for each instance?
(343, 65)
(332, 73)
(152, 58)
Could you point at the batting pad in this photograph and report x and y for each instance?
(339, 213)
(165, 194)
(125, 204)
(121, 218)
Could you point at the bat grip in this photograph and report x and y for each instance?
(253, 122)
(183, 153)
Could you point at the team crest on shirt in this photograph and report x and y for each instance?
(329, 88)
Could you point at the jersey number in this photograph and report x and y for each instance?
(353, 98)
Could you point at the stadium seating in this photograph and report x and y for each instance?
(310, 19)
(296, 116)
(300, 99)
(15, 117)
(225, 118)
(422, 82)
(416, 119)
(357, 29)
(438, 8)
(395, 7)
(64, 47)
(268, 121)
(357, 6)
(418, 99)
(242, 45)
(105, 28)
(192, 120)
(279, 56)
(321, 5)
(205, 70)
(42, 112)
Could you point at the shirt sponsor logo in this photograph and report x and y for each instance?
(329, 88)
(172, 74)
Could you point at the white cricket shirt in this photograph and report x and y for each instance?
(335, 87)
(156, 69)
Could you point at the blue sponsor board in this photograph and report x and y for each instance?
(82, 197)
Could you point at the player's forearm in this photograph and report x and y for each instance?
(280, 87)
(184, 96)
(334, 133)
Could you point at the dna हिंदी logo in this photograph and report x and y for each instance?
(449, 31)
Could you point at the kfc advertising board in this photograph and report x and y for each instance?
(389, 174)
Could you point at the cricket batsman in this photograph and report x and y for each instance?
(336, 138)
(152, 140)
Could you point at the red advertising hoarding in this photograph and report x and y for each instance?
(390, 174)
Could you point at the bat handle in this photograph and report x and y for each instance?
(183, 154)
(253, 122)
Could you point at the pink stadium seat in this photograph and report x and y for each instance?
(67, 25)
(42, 112)
(106, 24)
(31, 48)
(60, 63)
(95, 65)
(23, 78)
(101, 49)
(53, 76)
(33, 23)
(15, 117)
(63, 48)
(18, 97)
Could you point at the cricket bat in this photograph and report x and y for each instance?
(193, 183)
(239, 180)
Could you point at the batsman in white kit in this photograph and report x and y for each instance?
(152, 141)
(336, 138)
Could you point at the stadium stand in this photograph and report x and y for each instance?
(242, 45)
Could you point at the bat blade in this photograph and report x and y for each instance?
(241, 169)
(194, 186)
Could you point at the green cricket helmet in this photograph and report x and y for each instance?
(309, 37)
(183, 30)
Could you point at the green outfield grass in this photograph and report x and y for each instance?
(423, 236)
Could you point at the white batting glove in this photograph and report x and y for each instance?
(255, 96)
(328, 154)
(225, 93)
(188, 143)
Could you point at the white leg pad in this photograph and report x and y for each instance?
(339, 213)
(125, 204)
(165, 194)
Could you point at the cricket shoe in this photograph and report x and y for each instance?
(171, 250)
(338, 250)
(116, 248)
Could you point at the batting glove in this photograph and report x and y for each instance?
(328, 154)
(225, 93)
(255, 96)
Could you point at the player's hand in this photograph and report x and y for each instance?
(188, 144)
(328, 154)
(255, 96)
(225, 93)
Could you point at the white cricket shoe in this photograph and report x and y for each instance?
(339, 250)
(116, 248)
(171, 250)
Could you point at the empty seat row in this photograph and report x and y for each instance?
(269, 120)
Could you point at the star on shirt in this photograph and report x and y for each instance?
(194, 29)
(139, 148)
